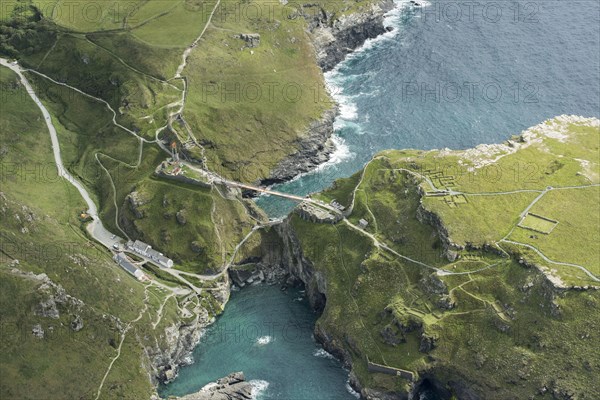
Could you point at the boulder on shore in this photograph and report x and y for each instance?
(233, 387)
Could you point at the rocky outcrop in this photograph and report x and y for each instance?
(335, 36)
(52, 296)
(312, 149)
(232, 387)
(428, 342)
(136, 201)
(178, 342)
(310, 212)
(38, 331)
(181, 217)
(429, 218)
(252, 39)
(175, 346)
(77, 323)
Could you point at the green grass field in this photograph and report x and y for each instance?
(493, 197)
(494, 322)
(247, 106)
(576, 238)
(538, 223)
(40, 229)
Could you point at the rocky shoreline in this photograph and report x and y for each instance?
(333, 39)
(232, 387)
(180, 339)
(313, 150)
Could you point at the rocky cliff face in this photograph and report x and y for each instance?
(333, 38)
(232, 387)
(429, 218)
(175, 346)
(291, 257)
(312, 150)
(179, 341)
(288, 254)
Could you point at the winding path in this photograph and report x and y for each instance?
(95, 228)
(141, 314)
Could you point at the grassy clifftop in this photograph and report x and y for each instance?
(114, 72)
(254, 88)
(460, 272)
(67, 310)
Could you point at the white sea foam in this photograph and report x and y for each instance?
(391, 19)
(322, 353)
(348, 110)
(351, 390)
(341, 153)
(188, 360)
(258, 388)
(264, 340)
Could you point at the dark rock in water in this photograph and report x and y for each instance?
(292, 281)
(240, 276)
(232, 387)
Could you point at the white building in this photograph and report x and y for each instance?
(128, 266)
(147, 251)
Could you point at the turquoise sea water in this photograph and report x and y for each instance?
(448, 76)
(267, 334)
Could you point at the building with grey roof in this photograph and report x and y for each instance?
(128, 266)
(147, 251)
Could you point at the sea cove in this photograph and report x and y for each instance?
(267, 333)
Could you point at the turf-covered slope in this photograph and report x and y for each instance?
(255, 93)
(97, 65)
(443, 284)
(74, 324)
